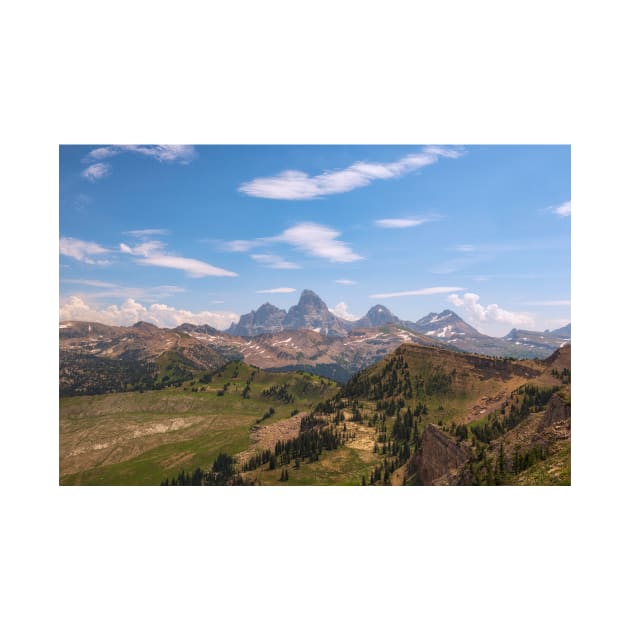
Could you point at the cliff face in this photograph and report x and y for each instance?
(556, 423)
(439, 454)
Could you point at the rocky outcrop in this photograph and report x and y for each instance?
(439, 454)
(556, 421)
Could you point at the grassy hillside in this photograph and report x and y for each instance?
(140, 438)
(492, 421)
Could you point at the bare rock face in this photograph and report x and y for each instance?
(267, 319)
(556, 423)
(439, 454)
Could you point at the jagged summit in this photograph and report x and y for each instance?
(266, 319)
(312, 313)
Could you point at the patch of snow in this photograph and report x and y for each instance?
(65, 325)
(430, 332)
(279, 342)
(316, 329)
(517, 343)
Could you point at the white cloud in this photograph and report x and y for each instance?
(297, 185)
(102, 153)
(401, 223)
(82, 250)
(312, 238)
(550, 303)
(110, 289)
(148, 232)
(96, 171)
(91, 283)
(177, 153)
(318, 240)
(427, 291)
(491, 314)
(152, 253)
(341, 310)
(563, 210)
(241, 246)
(278, 290)
(130, 312)
(274, 262)
(348, 282)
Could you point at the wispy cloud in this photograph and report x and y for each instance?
(489, 314)
(341, 310)
(563, 210)
(427, 291)
(84, 251)
(274, 262)
(96, 171)
(110, 290)
(241, 246)
(91, 283)
(404, 223)
(297, 185)
(348, 282)
(152, 253)
(170, 153)
(311, 238)
(318, 240)
(278, 290)
(148, 232)
(131, 311)
(549, 303)
(176, 153)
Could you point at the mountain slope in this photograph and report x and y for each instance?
(445, 325)
(378, 315)
(95, 358)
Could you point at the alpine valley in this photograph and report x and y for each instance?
(304, 397)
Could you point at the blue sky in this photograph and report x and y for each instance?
(178, 233)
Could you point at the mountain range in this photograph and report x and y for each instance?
(312, 313)
(97, 358)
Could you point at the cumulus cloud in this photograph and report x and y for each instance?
(96, 171)
(274, 262)
(297, 185)
(341, 310)
(84, 251)
(278, 290)
(427, 291)
(491, 314)
(348, 282)
(152, 253)
(131, 311)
